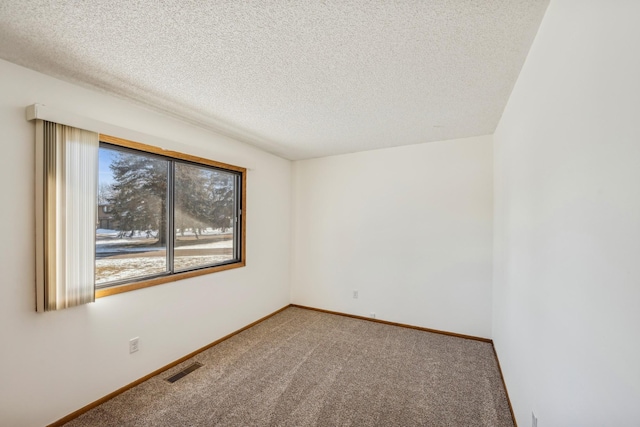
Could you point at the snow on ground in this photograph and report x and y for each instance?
(220, 244)
(104, 232)
(185, 262)
(111, 270)
(108, 241)
(114, 269)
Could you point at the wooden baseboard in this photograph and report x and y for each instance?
(506, 392)
(110, 396)
(403, 325)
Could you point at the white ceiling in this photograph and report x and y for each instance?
(300, 79)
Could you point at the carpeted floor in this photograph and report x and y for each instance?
(306, 368)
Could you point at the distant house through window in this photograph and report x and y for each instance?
(105, 219)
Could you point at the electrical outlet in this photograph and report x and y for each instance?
(372, 315)
(534, 420)
(355, 294)
(134, 345)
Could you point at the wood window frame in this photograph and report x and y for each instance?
(145, 283)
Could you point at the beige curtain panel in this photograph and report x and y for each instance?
(66, 190)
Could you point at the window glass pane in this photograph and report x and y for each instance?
(204, 222)
(131, 233)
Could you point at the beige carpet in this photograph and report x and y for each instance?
(306, 368)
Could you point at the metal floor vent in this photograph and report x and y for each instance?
(186, 371)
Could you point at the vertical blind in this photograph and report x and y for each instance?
(66, 191)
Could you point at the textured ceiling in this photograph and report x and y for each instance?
(300, 79)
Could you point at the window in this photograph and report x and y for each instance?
(169, 216)
(114, 215)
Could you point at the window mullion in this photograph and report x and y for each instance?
(238, 217)
(171, 216)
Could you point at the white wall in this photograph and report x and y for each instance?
(54, 363)
(410, 228)
(567, 262)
